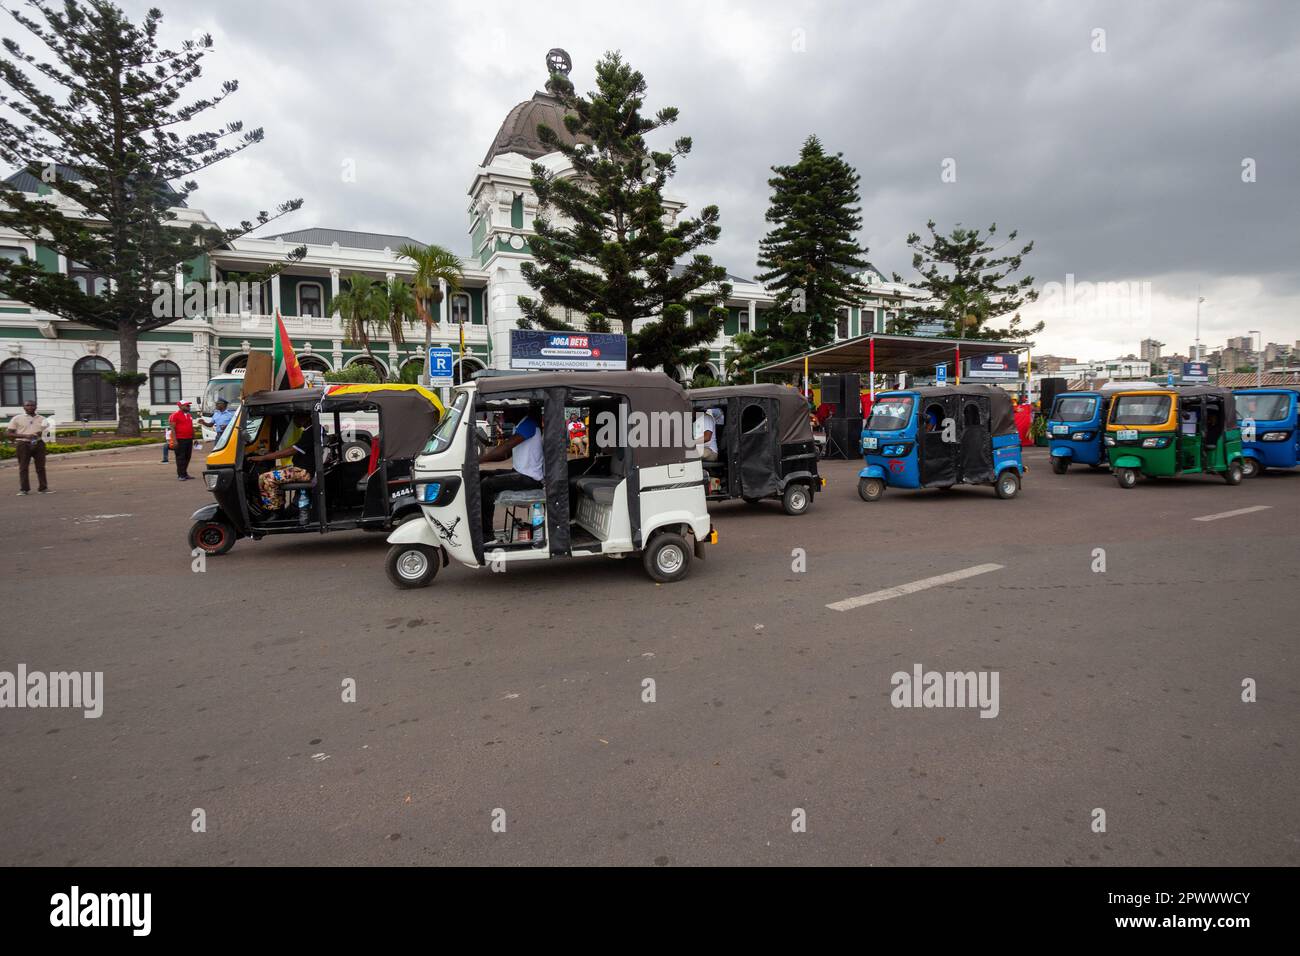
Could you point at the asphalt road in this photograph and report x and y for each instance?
(523, 691)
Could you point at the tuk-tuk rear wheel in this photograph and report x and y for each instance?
(667, 558)
(1234, 473)
(871, 489)
(212, 536)
(411, 565)
(797, 499)
(1008, 484)
(1126, 477)
(1060, 464)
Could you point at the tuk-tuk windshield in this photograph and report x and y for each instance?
(1074, 408)
(441, 438)
(1267, 408)
(1141, 409)
(891, 413)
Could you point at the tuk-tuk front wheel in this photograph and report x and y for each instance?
(212, 536)
(1234, 473)
(667, 558)
(1251, 468)
(1126, 477)
(1060, 464)
(411, 565)
(797, 499)
(1008, 484)
(871, 489)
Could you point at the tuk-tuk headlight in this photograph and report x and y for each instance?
(897, 450)
(1081, 436)
(210, 478)
(1275, 436)
(427, 493)
(1155, 442)
(1109, 441)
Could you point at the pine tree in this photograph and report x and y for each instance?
(102, 126)
(811, 255)
(604, 248)
(965, 278)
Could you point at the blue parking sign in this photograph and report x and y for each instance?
(442, 365)
(941, 374)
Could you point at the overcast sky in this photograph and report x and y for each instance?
(1122, 165)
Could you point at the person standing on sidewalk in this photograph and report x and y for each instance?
(27, 432)
(167, 442)
(183, 428)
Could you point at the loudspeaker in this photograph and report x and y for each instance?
(1048, 389)
(843, 391)
(844, 436)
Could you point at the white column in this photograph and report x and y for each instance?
(275, 293)
(334, 294)
(753, 315)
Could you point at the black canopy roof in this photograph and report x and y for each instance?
(406, 416)
(1002, 419)
(794, 424)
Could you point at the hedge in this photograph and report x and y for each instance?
(9, 451)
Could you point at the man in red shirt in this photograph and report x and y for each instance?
(183, 432)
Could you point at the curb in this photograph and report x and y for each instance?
(13, 462)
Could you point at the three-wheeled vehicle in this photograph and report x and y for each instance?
(1270, 428)
(1173, 430)
(940, 437)
(638, 489)
(765, 445)
(1076, 426)
(373, 493)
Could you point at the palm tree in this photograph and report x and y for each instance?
(434, 267)
(362, 309)
(399, 307)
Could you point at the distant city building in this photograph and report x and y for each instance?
(1051, 364)
(1150, 351)
(1120, 369)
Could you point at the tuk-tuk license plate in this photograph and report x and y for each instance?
(1128, 434)
(1060, 429)
(869, 443)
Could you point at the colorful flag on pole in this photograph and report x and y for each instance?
(285, 370)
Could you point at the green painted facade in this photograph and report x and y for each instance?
(517, 213)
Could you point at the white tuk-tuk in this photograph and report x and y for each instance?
(639, 488)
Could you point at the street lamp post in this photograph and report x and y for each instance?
(1259, 358)
(1199, 299)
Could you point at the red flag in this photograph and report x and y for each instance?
(286, 372)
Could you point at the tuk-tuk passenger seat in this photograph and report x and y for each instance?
(599, 488)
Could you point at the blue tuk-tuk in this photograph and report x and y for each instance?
(940, 437)
(1270, 431)
(1076, 427)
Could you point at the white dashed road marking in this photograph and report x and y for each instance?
(862, 600)
(1232, 514)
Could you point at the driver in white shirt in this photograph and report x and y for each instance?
(524, 448)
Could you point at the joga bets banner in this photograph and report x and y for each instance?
(994, 366)
(1196, 372)
(572, 351)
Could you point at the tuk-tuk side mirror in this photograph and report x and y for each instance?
(483, 436)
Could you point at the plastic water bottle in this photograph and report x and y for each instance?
(539, 523)
(303, 502)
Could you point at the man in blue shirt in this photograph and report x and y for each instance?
(524, 448)
(221, 417)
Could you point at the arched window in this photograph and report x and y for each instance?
(312, 363)
(93, 399)
(460, 310)
(164, 383)
(239, 360)
(309, 299)
(17, 382)
(465, 369)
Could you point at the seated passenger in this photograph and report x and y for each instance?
(528, 465)
(706, 438)
(302, 451)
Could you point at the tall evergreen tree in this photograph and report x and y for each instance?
(811, 255)
(604, 248)
(101, 124)
(967, 279)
